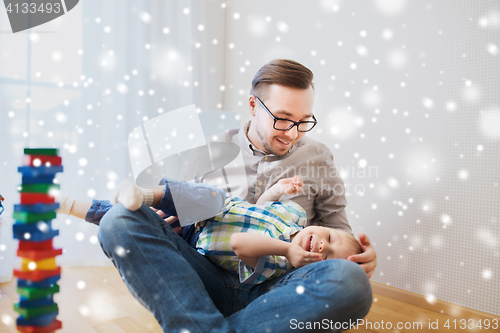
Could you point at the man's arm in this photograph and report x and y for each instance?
(249, 247)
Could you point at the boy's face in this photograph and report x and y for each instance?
(329, 243)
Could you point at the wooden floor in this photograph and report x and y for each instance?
(94, 299)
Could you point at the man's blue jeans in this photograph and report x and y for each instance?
(185, 290)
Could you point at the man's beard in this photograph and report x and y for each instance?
(268, 147)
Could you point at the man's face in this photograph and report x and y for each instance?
(283, 102)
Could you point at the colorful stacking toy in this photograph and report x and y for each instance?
(1, 206)
(38, 275)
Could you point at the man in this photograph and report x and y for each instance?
(185, 290)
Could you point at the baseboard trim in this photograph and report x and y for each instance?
(439, 306)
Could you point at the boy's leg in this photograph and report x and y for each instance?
(191, 202)
(330, 294)
(163, 272)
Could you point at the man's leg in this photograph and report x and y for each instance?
(162, 271)
(328, 294)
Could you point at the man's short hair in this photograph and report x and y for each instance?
(284, 72)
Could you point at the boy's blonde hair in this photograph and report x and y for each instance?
(353, 243)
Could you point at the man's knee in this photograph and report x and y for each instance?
(112, 227)
(356, 289)
(338, 289)
(342, 284)
(111, 217)
(355, 275)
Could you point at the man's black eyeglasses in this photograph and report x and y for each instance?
(282, 124)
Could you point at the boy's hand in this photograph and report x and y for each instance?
(299, 257)
(288, 186)
(291, 186)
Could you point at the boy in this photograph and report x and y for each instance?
(260, 241)
(269, 237)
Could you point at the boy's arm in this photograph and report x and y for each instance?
(288, 186)
(249, 247)
(272, 194)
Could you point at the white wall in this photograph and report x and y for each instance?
(407, 99)
(91, 76)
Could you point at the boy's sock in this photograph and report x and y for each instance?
(65, 204)
(132, 196)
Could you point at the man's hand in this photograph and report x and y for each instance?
(299, 257)
(367, 259)
(169, 220)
